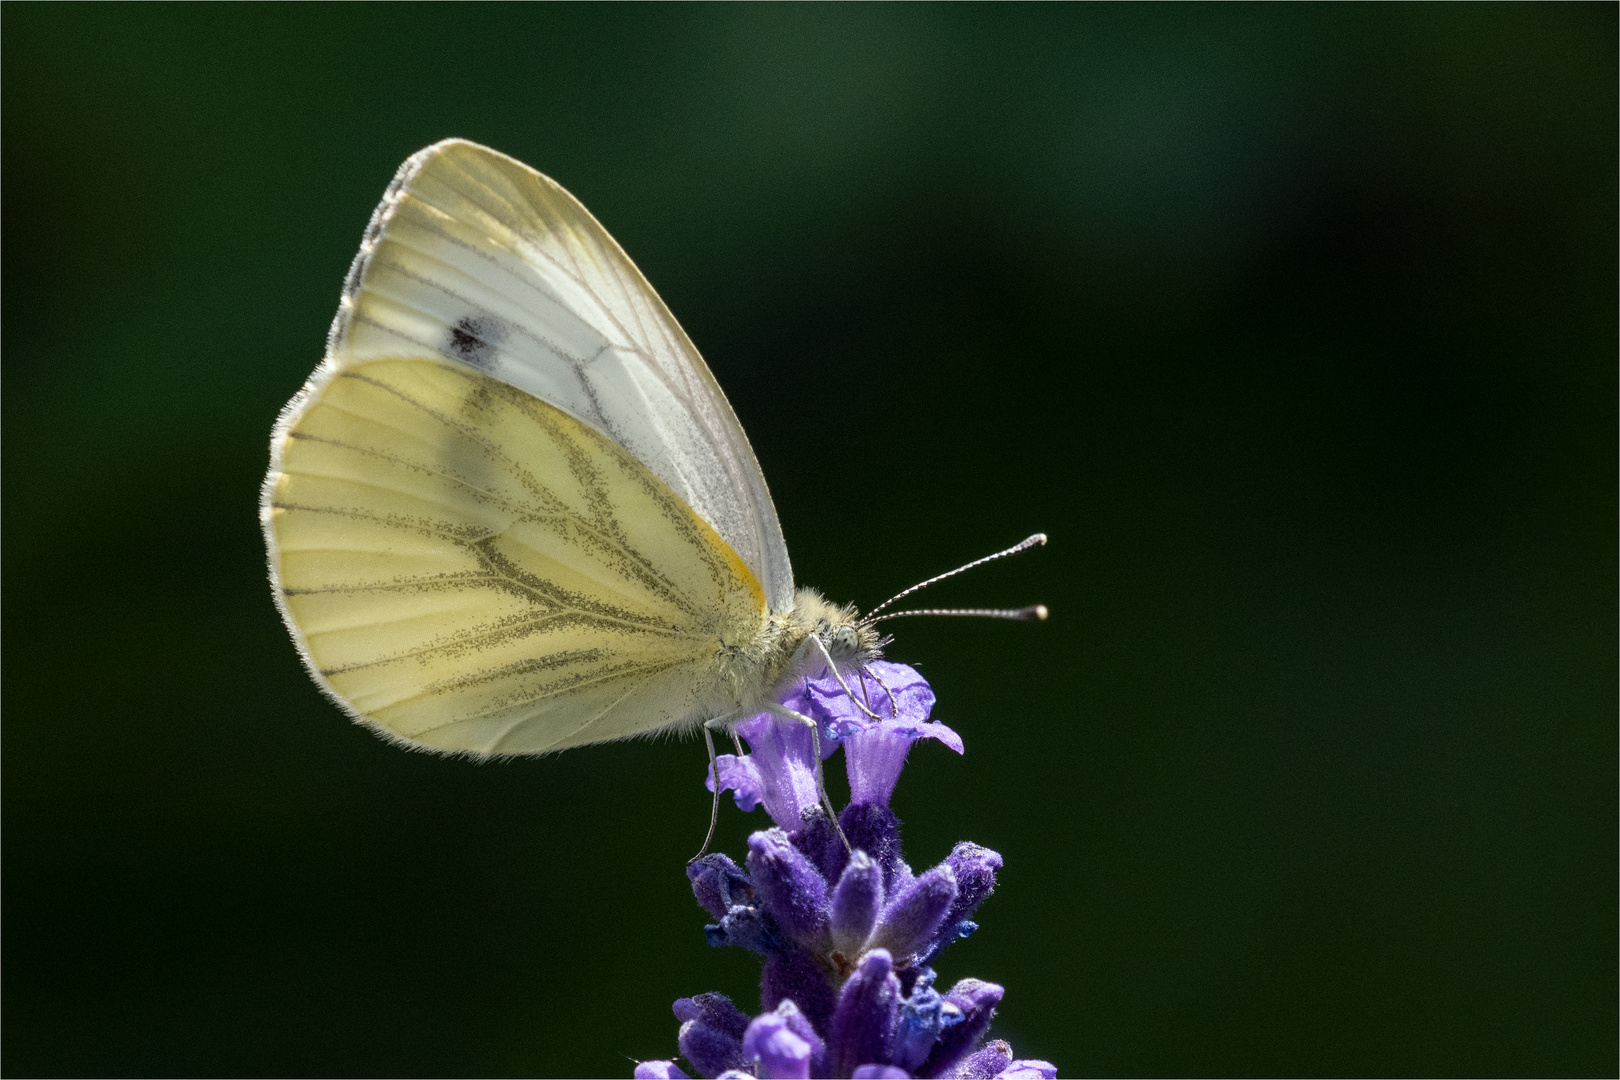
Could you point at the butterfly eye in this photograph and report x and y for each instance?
(844, 641)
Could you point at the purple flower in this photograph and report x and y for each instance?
(711, 1033)
(789, 886)
(658, 1070)
(784, 1044)
(848, 937)
(862, 1028)
(995, 1062)
(779, 770)
(875, 751)
(856, 904)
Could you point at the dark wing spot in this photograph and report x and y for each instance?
(475, 340)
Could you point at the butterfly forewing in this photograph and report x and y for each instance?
(479, 260)
(474, 569)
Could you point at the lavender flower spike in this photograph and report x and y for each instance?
(848, 939)
(658, 1070)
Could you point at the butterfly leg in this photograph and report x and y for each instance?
(815, 750)
(714, 771)
(832, 668)
(894, 709)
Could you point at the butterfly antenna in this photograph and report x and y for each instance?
(1023, 545)
(1033, 613)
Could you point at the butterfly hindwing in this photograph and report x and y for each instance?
(473, 569)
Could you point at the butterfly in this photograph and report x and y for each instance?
(511, 511)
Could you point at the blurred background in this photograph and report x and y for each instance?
(1294, 327)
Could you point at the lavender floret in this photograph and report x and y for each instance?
(909, 923)
(719, 884)
(856, 903)
(862, 1028)
(784, 1044)
(789, 886)
(711, 1033)
(977, 1001)
(659, 1070)
(987, 1063)
(848, 937)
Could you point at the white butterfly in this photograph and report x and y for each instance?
(512, 512)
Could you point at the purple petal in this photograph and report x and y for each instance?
(862, 1027)
(779, 1052)
(784, 767)
(718, 883)
(793, 975)
(975, 868)
(875, 751)
(658, 1070)
(715, 1010)
(855, 904)
(875, 755)
(809, 697)
(924, 1014)
(873, 759)
(783, 1042)
(948, 736)
(800, 1024)
(1029, 1069)
(789, 888)
(978, 1000)
(880, 1072)
(911, 920)
(987, 1063)
(741, 775)
(711, 1033)
(823, 698)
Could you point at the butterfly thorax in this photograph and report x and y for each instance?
(754, 673)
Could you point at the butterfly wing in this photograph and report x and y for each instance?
(470, 568)
(480, 260)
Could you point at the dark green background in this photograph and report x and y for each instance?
(1295, 327)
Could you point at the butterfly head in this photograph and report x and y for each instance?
(852, 644)
(848, 641)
